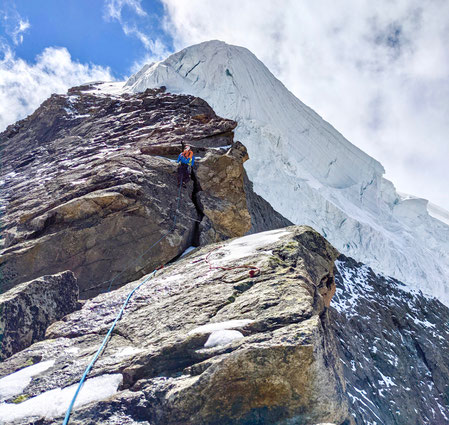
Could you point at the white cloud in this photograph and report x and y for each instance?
(17, 33)
(378, 71)
(14, 25)
(24, 86)
(133, 30)
(113, 8)
(156, 49)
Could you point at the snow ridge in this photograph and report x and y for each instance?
(307, 170)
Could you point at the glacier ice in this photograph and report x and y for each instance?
(307, 170)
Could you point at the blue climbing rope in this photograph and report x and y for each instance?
(119, 315)
(102, 346)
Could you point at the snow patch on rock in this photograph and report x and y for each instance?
(220, 326)
(222, 337)
(55, 402)
(247, 246)
(13, 384)
(107, 88)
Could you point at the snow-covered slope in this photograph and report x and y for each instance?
(438, 212)
(306, 169)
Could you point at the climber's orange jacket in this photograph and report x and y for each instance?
(186, 157)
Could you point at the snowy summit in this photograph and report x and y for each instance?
(306, 169)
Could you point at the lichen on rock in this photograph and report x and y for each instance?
(282, 369)
(221, 196)
(29, 308)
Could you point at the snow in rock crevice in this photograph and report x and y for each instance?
(222, 337)
(307, 170)
(220, 326)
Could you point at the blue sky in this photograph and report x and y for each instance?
(84, 28)
(377, 71)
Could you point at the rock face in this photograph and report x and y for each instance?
(90, 185)
(203, 345)
(222, 197)
(29, 308)
(394, 347)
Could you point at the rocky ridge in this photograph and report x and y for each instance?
(393, 343)
(217, 347)
(90, 176)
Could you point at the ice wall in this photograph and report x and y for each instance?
(306, 169)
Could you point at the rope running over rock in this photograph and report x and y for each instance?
(120, 313)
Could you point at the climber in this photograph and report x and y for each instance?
(187, 161)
